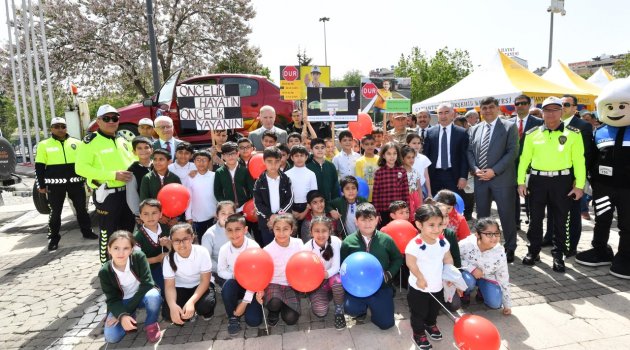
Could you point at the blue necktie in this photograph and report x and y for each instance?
(444, 150)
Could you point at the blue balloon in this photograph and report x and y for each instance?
(364, 188)
(459, 205)
(361, 274)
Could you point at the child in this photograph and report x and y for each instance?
(344, 207)
(426, 256)
(187, 278)
(142, 148)
(303, 181)
(215, 237)
(368, 238)
(367, 164)
(269, 138)
(484, 258)
(356, 145)
(390, 181)
(325, 171)
(316, 208)
(160, 176)
(346, 160)
(328, 248)
(377, 133)
(280, 299)
(219, 137)
(331, 149)
(421, 164)
(272, 193)
(456, 221)
(285, 164)
(294, 139)
(182, 166)
(127, 284)
(232, 181)
(203, 205)
(231, 291)
(152, 238)
(413, 177)
(399, 210)
(246, 151)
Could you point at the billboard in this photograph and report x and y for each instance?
(338, 104)
(295, 79)
(376, 91)
(209, 107)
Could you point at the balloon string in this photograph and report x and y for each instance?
(264, 318)
(453, 318)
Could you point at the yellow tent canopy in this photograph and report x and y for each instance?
(560, 73)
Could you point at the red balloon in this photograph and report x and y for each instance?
(174, 199)
(256, 165)
(472, 332)
(249, 210)
(402, 231)
(253, 269)
(362, 127)
(305, 271)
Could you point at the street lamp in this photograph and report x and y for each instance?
(557, 6)
(325, 19)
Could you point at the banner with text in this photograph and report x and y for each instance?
(209, 107)
(295, 79)
(338, 104)
(375, 91)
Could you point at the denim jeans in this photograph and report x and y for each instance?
(151, 302)
(492, 294)
(381, 304)
(231, 292)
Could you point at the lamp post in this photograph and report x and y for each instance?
(557, 6)
(325, 19)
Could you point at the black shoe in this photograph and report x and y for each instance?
(595, 257)
(53, 246)
(433, 332)
(530, 259)
(569, 253)
(509, 255)
(421, 341)
(558, 265)
(340, 322)
(90, 235)
(620, 266)
(273, 318)
(546, 243)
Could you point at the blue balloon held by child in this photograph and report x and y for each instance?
(363, 190)
(361, 274)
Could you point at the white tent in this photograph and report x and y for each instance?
(601, 77)
(560, 73)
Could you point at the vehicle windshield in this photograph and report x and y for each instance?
(166, 92)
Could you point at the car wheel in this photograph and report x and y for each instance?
(40, 200)
(128, 131)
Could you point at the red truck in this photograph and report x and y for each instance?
(255, 92)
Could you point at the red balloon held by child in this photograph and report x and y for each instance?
(249, 211)
(253, 269)
(362, 127)
(174, 199)
(402, 231)
(472, 332)
(305, 271)
(256, 166)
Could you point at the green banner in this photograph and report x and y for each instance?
(402, 105)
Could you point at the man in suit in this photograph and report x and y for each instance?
(446, 145)
(524, 121)
(423, 119)
(164, 129)
(267, 118)
(571, 118)
(495, 175)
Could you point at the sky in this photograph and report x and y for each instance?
(370, 34)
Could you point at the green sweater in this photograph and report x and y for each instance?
(146, 244)
(151, 184)
(113, 291)
(327, 180)
(243, 185)
(382, 247)
(451, 237)
(341, 205)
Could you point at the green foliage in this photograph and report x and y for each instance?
(432, 75)
(303, 59)
(350, 78)
(621, 69)
(116, 100)
(8, 121)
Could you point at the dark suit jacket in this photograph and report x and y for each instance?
(501, 153)
(586, 130)
(532, 122)
(458, 148)
(157, 145)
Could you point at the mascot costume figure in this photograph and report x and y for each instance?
(610, 178)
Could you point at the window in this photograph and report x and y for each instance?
(246, 86)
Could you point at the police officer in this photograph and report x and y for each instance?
(103, 158)
(555, 152)
(54, 169)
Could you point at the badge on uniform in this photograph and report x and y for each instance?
(74, 146)
(125, 145)
(562, 139)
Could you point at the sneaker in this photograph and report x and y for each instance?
(90, 235)
(192, 319)
(153, 332)
(595, 257)
(620, 267)
(234, 326)
(207, 318)
(433, 332)
(340, 322)
(273, 318)
(421, 341)
(53, 246)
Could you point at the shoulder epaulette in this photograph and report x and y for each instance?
(89, 137)
(531, 130)
(573, 128)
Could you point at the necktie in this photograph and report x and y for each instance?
(520, 128)
(168, 147)
(444, 150)
(483, 153)
(422, 134)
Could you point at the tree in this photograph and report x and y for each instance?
(432, 75)
(350, 78)
(621, 69)
(303, 59)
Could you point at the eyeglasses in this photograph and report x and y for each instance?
(231, 154)
(181, 241)
(568, 104)
(59, 126)
(491, 234)
(524, 103)
(110, 119)
(243, 148)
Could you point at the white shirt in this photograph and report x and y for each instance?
(274, 193)
(568, 120)
(303, 180)
(484, 125)
(429, 261)
(127, 280)
(438, 164)
(212, 240)
(332, 265)
(182, 171)
(189, 269)
(281, 256)
(227, 258)
(203, 204)
(346, 163)
(420, 164)
(492, 262)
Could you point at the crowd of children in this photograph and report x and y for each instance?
(307, 198)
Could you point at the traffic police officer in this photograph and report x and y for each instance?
(103, 158)
(54, 169)
(555, 152)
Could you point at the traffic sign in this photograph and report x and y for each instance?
(369, 91)
(290, 73)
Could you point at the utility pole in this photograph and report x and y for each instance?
(325, 19)
(557, 6)
(154, 61)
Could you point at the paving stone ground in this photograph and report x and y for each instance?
(53, 300)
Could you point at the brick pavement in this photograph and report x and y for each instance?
(53, 299)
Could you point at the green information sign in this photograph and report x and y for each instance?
(402, 105)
